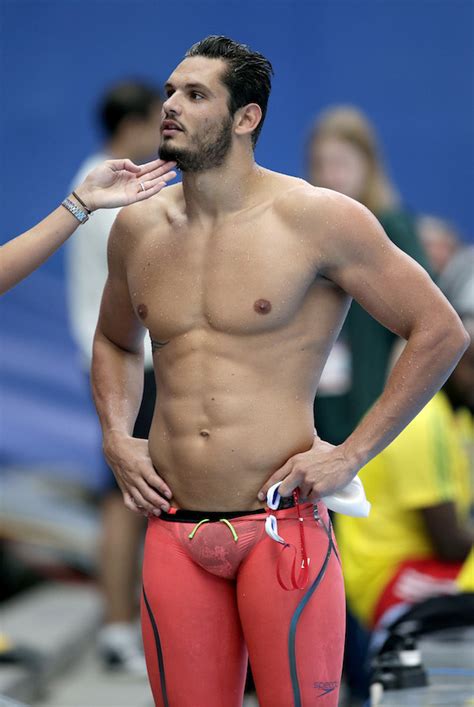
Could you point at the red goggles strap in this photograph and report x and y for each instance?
(301, 580)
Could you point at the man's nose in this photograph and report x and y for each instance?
(172, 105)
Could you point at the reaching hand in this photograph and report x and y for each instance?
(121, 182)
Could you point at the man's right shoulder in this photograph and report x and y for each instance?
(134, 220)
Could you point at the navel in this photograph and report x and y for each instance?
(262, 306)
(204, 433)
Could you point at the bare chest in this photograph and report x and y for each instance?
(240, 279)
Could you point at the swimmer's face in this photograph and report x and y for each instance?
(339, 165)
(196, 126)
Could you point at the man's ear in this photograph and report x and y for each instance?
(247, 119)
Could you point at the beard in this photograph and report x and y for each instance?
(208, 151)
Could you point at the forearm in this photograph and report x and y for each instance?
(22, 255)
(117, 385)
(426, 362)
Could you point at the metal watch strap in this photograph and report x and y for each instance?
(75, 210)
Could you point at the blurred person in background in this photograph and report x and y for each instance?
(418, 534)
(456, 280)
(343, 154)
(440, 241)
(129, 115)
(451, 260)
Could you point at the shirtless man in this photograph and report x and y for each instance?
(243, 278)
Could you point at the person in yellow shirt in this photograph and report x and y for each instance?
(465, 579)
(417, 536)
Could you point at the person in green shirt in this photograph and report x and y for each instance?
(343, 155)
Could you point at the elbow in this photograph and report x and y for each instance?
(452, 337)
(466, 339)
(460, 337)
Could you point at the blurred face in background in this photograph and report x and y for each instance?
(339, 165)
(439, 240)
(143, 132)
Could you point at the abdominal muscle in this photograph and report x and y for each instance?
(215, 448)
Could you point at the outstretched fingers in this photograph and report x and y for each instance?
(159, 173)
(124, 164)
(155, 168)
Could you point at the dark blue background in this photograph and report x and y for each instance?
(407, 63)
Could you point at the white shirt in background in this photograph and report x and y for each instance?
(86, 270)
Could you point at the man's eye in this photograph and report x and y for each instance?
(196, 96)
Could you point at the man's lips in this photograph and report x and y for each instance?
(170, 127)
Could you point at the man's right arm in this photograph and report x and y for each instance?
(117, 384)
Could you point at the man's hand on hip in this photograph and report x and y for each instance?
(143, 490)
(319, 472)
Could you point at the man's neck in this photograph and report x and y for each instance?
(223, 190)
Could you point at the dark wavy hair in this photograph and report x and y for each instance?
(248, 77)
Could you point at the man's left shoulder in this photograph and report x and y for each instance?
(325, 219)
(307, 204)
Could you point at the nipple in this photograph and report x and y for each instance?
(142, 310)
(262, 306)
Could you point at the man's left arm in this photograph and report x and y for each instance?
(397, 292)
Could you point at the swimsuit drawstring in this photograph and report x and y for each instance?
(231, 528)
(221, 520)
(198, 525)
